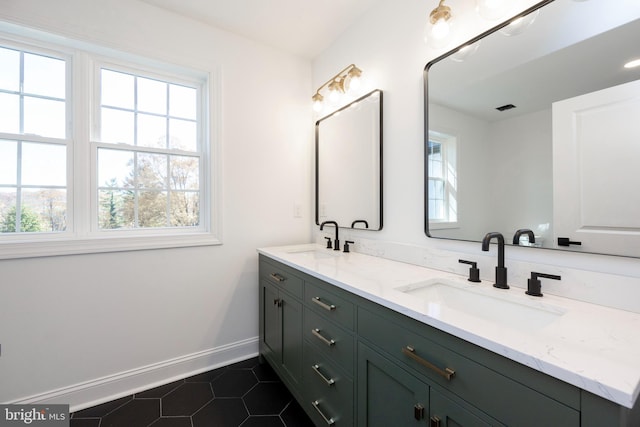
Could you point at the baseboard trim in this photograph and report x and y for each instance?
(101, 390)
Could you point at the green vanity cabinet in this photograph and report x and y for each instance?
(281, 322)
(349, 361)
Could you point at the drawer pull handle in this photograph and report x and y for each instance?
(328, 381)
(447, 373)
(324, 305)
(317, 333)
(316, 406)
(277, 277)
(434, 421)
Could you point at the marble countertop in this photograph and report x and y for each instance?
(592, 347)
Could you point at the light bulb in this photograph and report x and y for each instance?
(440, 29)
(317, 106)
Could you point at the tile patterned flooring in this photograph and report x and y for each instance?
(246, 394)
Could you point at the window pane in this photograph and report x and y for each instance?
(44, 164)
(152, 96)
(182, 102)
(185, 207)
(117, 89)
(117, 126)
(9, 113)
(115, 209)
(184, 173)
(7, 210)
(152, 131)
(44, 76)
(43, 209)
(8, 163)
(10, 69)
(183, 135)
(44, 117)
(115, 168)
(152, 209)
(152, 171)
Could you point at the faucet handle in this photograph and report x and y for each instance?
(534, 286)
(329, 246)
(346, 245)
(474, 271)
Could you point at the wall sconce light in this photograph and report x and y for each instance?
(347, 80)
(438, 29)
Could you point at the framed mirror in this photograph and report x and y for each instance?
(349, 164)
(537, 129)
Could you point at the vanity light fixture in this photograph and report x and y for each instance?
(347, 80)
(519, 24)
(438, 30)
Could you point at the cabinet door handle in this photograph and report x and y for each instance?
(447, 373)
(317, 333)
(328, 381)
(277, 277)
(434, 421)
(277, 302)
(418, 411)
(328, 307)
(316, 406)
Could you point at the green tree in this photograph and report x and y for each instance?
(29, 221)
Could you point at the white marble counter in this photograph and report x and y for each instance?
(592, 347)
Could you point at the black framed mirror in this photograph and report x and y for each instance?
(523, 131)
(348, 170)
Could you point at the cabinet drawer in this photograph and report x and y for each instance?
(331, 340)
(327, 390)
(281, 275)
(329, 304)
(508, 401)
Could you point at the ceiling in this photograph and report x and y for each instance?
(302, 27)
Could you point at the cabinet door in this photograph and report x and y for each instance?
(270, 318)
(291, 317)
(447, 413)
(387, 394)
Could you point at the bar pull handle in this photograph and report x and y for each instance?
(418, 411)
(447, 373)
(328, 307)
(317, 333)
(434, 421)
(277, 277)
(328, 381)
(316, 406)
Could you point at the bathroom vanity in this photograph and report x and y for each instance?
(362, 340)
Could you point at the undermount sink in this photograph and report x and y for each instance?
(443, 297)
(315, 253)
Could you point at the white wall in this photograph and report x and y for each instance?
(77, 329)
(387, 45)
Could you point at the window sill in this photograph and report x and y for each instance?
(76, 246)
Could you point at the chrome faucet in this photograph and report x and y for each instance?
(501, 271)
(336, 242)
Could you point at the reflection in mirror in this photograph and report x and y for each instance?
(349, 164)
(499, 115)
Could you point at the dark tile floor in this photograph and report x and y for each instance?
(247, 394)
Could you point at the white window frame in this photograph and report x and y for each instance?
(448, 144)
(82, 234)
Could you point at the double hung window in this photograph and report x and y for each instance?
(97, 149)
(442, 184)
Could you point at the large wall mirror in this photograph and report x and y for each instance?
(536, 127)
(349, 164)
